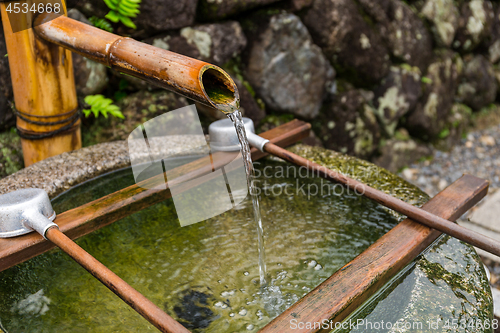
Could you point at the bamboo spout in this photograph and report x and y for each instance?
(192, 78)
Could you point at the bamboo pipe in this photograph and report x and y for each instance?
(44, 89)
(414, 213)
(192, 78)
(122, 289)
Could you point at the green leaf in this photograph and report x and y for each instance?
(6, 55)
(128, 22)
(444, 133)
(110, 4)
(86, 113)
(426, 80)
(113, 16)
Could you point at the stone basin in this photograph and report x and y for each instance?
(206, 275)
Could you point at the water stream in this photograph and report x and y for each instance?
(250, 172)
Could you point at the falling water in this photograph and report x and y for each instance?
(247, 160)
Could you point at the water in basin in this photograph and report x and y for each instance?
(205, 275)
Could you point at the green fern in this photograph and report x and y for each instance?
(123, 11)
(101, 105)
(101, 23)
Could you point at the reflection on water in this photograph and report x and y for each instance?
(206, 275)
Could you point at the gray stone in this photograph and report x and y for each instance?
(493, 40)
(398, 93)
(403, 31)
(90, 77)
(354, 47)
(286, 69)
(348, 124)
(396, 154)
(475, 23)
(429, 117)
(479, 84)
(217, 9)
(7, 118)
(215, 43)
(444, 17)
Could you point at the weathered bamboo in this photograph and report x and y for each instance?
(192, 78)
(44, 90)
(113, 207)
(343, 292)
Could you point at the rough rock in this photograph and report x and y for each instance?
(475, 23)
(348, 124)
(494, 39)
(296, 5)
(155, 15)
(398, 93)
(11, 155)
(137, 109)
(403, 31)
(396, 154)
(7, 118)
(349, 42)
(444, 17)
(440, 83)
(90, 77)
(457, 123)
(216, 43)
(217, 9)
(286, 69)
(479, 84)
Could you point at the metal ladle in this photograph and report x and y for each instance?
(26, 210)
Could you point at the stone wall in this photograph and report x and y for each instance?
(377, 79)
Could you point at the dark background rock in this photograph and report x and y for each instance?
(403, 31)
(354, 48)
(398, 93)
(479, 85)
(155, 15)
(348, 124)
(428, 118)
(7, 118)
(475, 24)
(161, 15)
(216, 43)
(90, 77)
(218, 9)
(285, 68)
(396, 154)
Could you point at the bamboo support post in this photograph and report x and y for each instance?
(44, 90)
